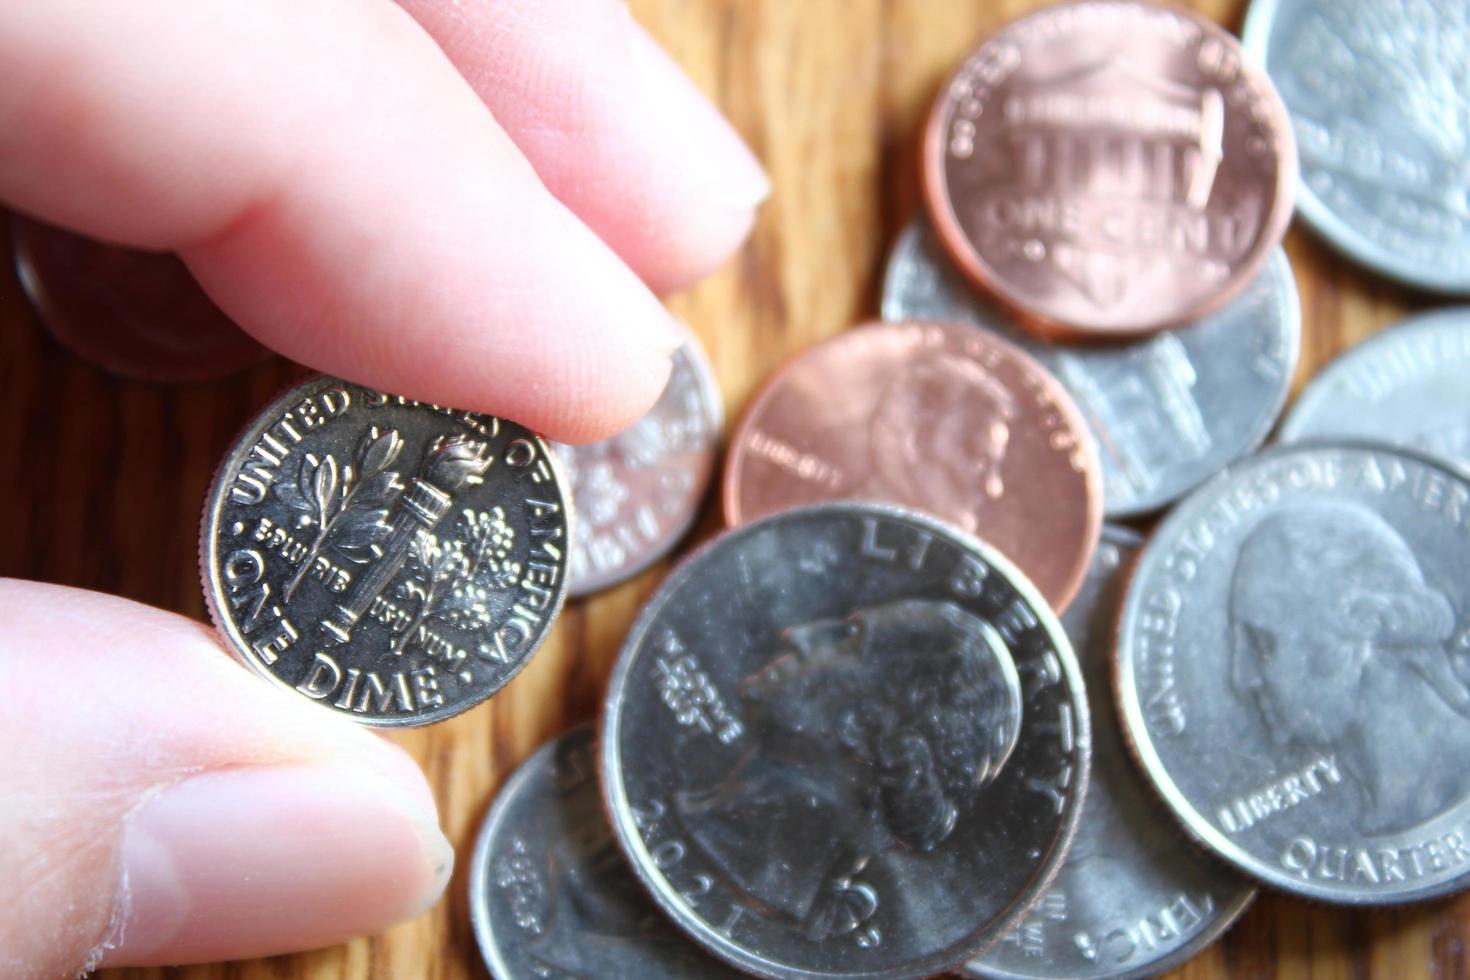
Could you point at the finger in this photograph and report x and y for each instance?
(338, 189)
(167, 807)
(612, 124)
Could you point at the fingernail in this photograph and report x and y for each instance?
(253, 862)
(731, 172)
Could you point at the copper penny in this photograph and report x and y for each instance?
(137, 314)
(1109, 167)
(940, 417)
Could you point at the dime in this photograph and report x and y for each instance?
(1292, 670)
(136, 314)
(1109, 167)
(934, 416)
(846, 740)
(638, 492)
(1167, 411)
(1133, 898)
(1404, 386)
(395, 561)
(550, 893)
(1376, 93)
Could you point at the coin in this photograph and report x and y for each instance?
(637, 493)
(1168, 410)
(1107, 167)
(1134, 898)
(1404, 386)
(935, 416)
(137, 314)
(1376, 93)
(550, 893)
(394, 561)
(1292, 670)
(845, 740)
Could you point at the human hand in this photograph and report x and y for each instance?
(458, 203)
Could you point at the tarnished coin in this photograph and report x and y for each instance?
(1293, 674)
(395, 561)
(551, 896)
(1167, 411)
(638, 492)
(136, 314)
(1376, 92)
(1134, 897)
(1109, 167)
(952, 421)
(846, 740)
(1404, 386)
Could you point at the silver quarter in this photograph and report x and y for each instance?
(1376, 93)
(1134, 897)
(845, 740)
(393, 561)
(638, 492)
(1292, 670)
(552, 897)
(1404, 386)
(1168, 411)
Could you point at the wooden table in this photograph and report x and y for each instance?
(103, 479)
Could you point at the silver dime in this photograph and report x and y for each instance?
(1134, 898)
(1404, 386)
(845, 740)
(394, 561)
(551, 896)
(1292, 670)
(638, 492)
(1376, 92)
(1168, 411)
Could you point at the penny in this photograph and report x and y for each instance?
(939, 417)
(137, 314)
(1376, 93)
(1107, 167)
(550, 893)
(1292, 673)
(845, 740)
(1404, 386)
(1134, 898)
(394, 561)
(1168, 410)
(637, 493)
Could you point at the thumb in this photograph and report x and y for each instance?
(163, 806)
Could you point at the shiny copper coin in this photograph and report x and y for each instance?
(137, 314)
(940, 417)
(1108, 167)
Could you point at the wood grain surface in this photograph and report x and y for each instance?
(103, 479)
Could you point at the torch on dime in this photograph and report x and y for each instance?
(845, 740)
(395, 561)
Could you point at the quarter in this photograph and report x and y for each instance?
(845, 740)
(1292, 676)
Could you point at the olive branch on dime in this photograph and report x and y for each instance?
(347, 505)
(454, 580)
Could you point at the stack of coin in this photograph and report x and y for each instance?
(919, 708)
